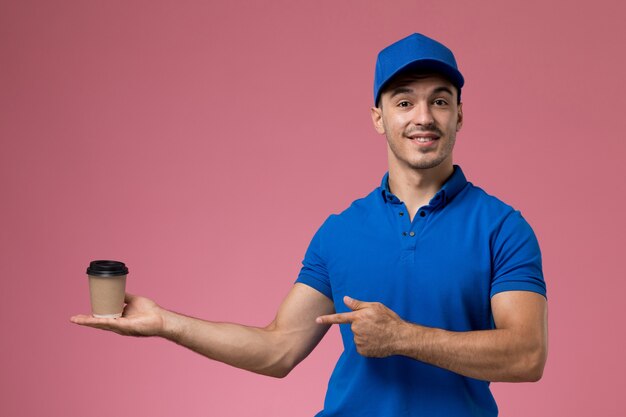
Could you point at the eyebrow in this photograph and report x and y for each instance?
(402, 90)
(443, 90)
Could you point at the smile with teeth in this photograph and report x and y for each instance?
(422, 139)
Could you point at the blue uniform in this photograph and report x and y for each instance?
(439, 270)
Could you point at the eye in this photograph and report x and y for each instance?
(404, 103)
(440, 102)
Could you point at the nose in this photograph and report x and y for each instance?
(422, 115)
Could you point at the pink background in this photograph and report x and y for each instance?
(203, 143)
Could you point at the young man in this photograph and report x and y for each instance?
(437, 286)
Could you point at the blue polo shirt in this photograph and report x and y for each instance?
(439, 270)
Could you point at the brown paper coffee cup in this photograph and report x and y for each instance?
(107, 287)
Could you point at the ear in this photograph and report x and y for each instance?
(459, 119)
(377, 120)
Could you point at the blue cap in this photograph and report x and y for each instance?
(417, 52)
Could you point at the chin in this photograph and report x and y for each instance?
(426, 164)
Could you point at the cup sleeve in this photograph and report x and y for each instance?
(516, 257)
(314, 271)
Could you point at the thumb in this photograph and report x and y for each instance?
(352, 303)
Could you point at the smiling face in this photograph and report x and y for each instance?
(420, 116)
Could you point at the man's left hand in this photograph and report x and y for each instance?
(376, 328)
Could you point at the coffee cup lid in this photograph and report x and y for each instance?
(104, 268)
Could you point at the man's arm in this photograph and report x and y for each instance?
(515, 351)
(273, 350)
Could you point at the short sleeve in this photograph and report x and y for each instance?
(314, 272)
(516, 258)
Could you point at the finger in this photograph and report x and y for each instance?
(128, 297)
(354, 304)
(98, 322)
(85, 319)
(119, 325)
(77, 319)
(340, 318)
(90, 320)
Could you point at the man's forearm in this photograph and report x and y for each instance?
(250, 348)
(490, 355)
(515, 351)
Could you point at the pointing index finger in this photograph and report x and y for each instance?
(339, 318)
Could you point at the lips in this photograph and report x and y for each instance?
(423, 138)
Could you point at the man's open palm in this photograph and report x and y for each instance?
(141, 317)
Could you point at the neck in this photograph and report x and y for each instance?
(415, 187)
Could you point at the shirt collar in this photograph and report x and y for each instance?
(453, 185)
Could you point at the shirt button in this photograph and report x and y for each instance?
(401, 213)
(403, 233)
(412, 233)
(422, 213)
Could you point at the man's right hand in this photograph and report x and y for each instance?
(141, 317)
